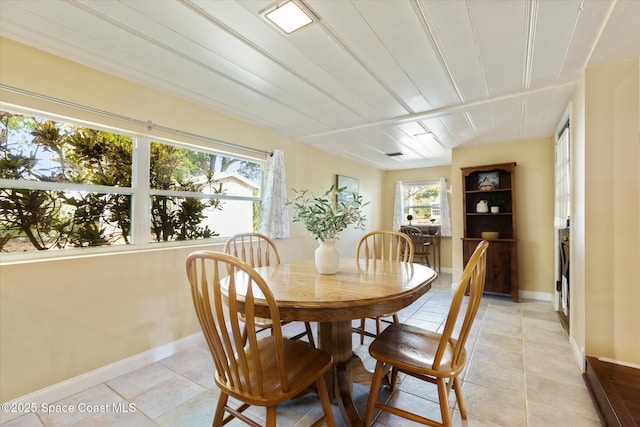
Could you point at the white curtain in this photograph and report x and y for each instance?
(274, 217)
(445, 214)
(397, 207)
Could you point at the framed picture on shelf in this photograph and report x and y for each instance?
(488, 181)
(352, 184)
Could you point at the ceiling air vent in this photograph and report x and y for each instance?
(397, 153)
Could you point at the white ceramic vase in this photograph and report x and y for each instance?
(327, 257)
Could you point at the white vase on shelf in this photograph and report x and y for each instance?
(327, 257)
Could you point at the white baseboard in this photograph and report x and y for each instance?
(620, 362)
(538, 296)
(578, 354)
(90, 379)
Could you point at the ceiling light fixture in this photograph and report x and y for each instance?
(289, 16)
(423, 134)
(425, 138)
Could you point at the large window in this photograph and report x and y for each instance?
(67, 185)
(421, 200)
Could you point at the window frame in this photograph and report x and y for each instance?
(438, 206)
(140, 192)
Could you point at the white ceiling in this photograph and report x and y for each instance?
(365, 79)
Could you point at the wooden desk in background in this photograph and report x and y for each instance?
(432, 233)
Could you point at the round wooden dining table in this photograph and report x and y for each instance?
(360, 289)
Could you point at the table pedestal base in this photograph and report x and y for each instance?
(335, 337)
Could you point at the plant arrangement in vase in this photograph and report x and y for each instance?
(325, 217)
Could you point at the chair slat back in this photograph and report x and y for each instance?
(473, 277)
(418, 238)
(253, 248)
(222, 286)
(385, 245)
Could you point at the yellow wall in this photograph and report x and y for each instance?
(612, 211)
(63, 318)
(534, 202)
(410, 175)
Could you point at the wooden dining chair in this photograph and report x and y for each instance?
(259, 251)
(261, 371)
(421, 243)
(438, 358)
(382, 245)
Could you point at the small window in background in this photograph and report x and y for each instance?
(421, 200)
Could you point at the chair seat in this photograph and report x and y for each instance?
(413, 348)
(436, 358)
(302, 360)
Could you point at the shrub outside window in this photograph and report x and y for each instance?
(65, 186)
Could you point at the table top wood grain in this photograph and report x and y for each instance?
(359, 289)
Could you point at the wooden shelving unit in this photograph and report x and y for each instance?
(502, 254)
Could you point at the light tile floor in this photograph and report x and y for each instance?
(520, 372)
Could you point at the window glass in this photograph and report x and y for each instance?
(70, 186)
(228, 188)
(49, 167)
(421, 200)
(33, 220)
(185, 169)
(38, 149)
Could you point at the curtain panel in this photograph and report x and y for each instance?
(274, 217)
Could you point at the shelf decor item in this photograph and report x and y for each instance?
(324, 217)
(482, 206)
(490, 235)
(495, 203)
(488, 188)
(488, 181)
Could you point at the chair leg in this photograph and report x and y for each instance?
(378, 325)
(307, 326)
(395, 318)
(444, 401)
(457, 387)
(394, 378)
(362, 329)
(324, 400)
(373, 393)
(271, 416)
(222, 402)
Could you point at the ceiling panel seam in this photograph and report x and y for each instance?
(264, 53)
(605, 21)
(430, 33)
(363, 65)
(573, 33)
(531, 18)
(186, 57)
(444, 110)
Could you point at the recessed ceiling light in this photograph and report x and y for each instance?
(423, 134)
(425, 138)
(289, 16)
